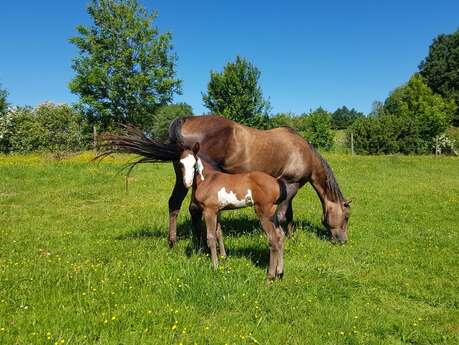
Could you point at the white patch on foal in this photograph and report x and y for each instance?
(188, 163)
(230, 199)
(200, 168)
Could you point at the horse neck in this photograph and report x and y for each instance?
(324, 182)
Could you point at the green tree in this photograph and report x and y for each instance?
(415, 102)
(344, 117)
(235, 94)
(3, 101)
(440, 68)
(48, 127)
(126, 69)
(166, 114)
(318, 130)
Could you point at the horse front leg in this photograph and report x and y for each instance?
(221, 245)
(198, 233)
(175, 202)
(284, 211)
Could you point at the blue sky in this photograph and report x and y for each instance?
(310, 54)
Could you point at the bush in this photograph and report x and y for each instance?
(48, 127)
(165, 115)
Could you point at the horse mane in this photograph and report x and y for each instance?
(331, 183)
(175, 129)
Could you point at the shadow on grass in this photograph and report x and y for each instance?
(146, 232)
(234, 227)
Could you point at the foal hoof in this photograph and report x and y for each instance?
(171, 243)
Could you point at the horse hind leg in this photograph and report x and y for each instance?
(220, 240)
(175, 203)
(210, 217)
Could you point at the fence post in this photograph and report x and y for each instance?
(94, 133)
(352, 143)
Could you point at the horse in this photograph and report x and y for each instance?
(234, 148)
(214, 191)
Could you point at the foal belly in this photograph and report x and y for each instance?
(227, 199)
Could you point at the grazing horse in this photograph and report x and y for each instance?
(235, 148)
(214, 191)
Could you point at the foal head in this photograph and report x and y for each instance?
(189, 164)
(335, 219)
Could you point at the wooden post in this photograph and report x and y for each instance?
(352, 143)
(94, 133)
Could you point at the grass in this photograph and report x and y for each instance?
(84, 262)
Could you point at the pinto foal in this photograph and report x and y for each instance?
(215, 191)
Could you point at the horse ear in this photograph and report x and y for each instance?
(195, 148)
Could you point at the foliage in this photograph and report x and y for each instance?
(412, 116)
(235, 94)
(84, 262)
(442, 144)
(440, 68)
(48, 127)
(344, 117)
(126, 69)
(315, 126)
(318, 130)
(166, 114)
(3, 101)
(415, 100)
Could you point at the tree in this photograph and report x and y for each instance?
(3, 101)
(415, 102)
(126, 69)
(440, 68)
(166, 114)
(319, 131)
(344, 117)
(235, 94)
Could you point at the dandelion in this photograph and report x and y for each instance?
(62, 341)
(174, 327)
(113, 317)
(342, 333)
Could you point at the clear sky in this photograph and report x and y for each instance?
(310, 53)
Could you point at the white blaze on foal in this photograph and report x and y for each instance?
(230, 199)
(188, 163)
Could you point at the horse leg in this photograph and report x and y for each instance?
(220, 240)
(175, 202)
(280, 262)
(289, 220)
(285, 210)
(210, 217)
(275, 240)
(198, 237)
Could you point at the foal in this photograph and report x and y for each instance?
(214, 191)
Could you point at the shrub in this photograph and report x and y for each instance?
(48, 127)
(318, 129)
(165, 115)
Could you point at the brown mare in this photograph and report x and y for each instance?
(234, 148)
(214, 191)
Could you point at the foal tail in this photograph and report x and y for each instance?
(135, 141)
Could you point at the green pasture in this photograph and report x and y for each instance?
(84, 262)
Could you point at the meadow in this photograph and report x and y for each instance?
(82, 261)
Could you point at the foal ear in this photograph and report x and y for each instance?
(195, 148)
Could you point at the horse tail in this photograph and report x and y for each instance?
(135, 141)
(282, 191)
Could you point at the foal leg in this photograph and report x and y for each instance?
(175, 202)
(275, 239)
(220, 240)
(211, 223)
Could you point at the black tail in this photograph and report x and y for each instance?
(282, 191)
(137, 142)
